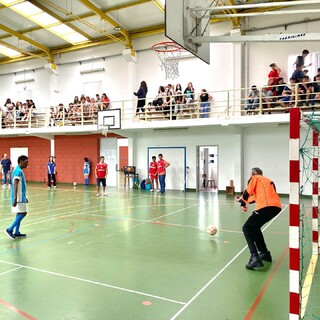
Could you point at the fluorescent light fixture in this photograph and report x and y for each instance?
(45, 20)
(74, 38)
(11, 53)
(26, 8)
(92, 70)
(24, 81)
(117, 28)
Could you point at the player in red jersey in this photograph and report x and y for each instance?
(153, 173)
(162, 165)
(101, 175)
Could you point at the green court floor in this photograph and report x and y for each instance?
(137, 255)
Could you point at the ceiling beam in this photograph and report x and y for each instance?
(159, 5)
(104, 16)
(34, 43)
(45, 9)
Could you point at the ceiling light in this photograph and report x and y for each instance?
(117, 28)
(11, 53)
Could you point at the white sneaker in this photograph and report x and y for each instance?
(105, 194)
(9, 186)
(151, 190)
(49, 188)
(98, 194)
(158, 190)
(55, 187)
(4, 186)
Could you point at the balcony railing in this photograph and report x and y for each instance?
(225, 104)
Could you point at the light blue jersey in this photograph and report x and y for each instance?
(86, 167)
(22, 186)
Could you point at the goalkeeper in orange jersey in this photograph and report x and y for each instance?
(262, 191)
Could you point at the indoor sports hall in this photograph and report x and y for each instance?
(217, 87)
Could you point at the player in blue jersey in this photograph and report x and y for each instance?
(86, 171)
(18, 198)
(51, 172)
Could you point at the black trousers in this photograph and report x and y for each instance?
(140, 105)
(252, 228)
(53, 178)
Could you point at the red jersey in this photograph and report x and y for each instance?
(161, 167)
(274, 74)
(153, 168)
(101, 170)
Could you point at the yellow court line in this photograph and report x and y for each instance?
(305, 292)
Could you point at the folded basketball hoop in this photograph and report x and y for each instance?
(169, 54)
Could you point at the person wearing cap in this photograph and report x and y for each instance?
(252, 101)
(262, 191)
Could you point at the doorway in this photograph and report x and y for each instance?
(207, 177)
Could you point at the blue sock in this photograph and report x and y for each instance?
(16, 222)
(86, 181)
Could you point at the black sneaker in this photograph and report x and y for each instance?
(20, 235)
(254, 262)
(265, 256)
(9, 234)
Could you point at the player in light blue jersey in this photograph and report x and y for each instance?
(18, 198)
(86, 171)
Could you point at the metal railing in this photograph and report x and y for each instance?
(225, 104)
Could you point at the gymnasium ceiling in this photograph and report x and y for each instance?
(68, 25)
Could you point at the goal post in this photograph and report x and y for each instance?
(304, 280)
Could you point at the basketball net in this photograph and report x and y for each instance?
(105, 131)
(169, 54)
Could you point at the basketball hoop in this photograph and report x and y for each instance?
(169, 54)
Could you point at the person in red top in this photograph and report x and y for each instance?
(262, 191)
(101, 175)
(273, 75)
(153, 173)
(161, 166)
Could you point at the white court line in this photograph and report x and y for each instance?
(221, 271)
(8, 271)
(92, 282)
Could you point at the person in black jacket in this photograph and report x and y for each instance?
(141, 94)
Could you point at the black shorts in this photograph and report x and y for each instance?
(101, 180)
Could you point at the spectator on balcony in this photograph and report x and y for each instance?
(318, 74)
(178, 87)
(168, 106)
(105, 102)
(160, 99)
(267, 99)
(305, 89)
(76, 101)
(141, 94)
(315, 90)
(98, 99)
(189, 95)
(178, 97)
(299, 65)
(252, 102)
(288, 94)
(204, 99)
(93, 108)
(273, 74)
(279, 88)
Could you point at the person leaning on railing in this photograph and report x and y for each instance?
(304, 91)
(252, 102)
(288, 94)
(204, 99)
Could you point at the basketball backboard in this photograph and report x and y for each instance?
(110, 119)
(182, 24)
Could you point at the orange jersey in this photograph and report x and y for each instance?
(264, 192)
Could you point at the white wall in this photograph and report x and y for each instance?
(240, 149)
